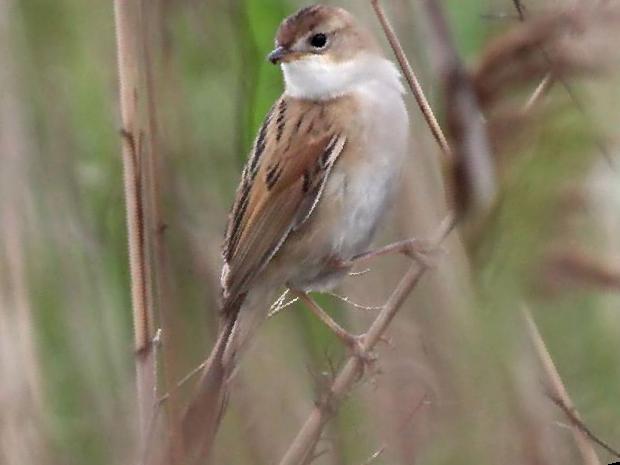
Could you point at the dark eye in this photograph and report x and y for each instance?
(318, 40)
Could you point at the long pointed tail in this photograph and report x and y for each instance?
(204, 413)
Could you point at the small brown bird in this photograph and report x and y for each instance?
(320, 175)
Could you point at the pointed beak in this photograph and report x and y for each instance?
(277, 55)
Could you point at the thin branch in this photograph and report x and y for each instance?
(572, 415)
(412, 80)
(557, 389)
(307, 438)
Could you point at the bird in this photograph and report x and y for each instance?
(323, 169)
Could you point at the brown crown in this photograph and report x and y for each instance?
(308, 19)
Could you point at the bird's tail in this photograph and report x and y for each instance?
(204, 413)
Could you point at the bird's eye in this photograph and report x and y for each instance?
(318, 40)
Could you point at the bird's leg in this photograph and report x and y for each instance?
(354, 343)
(338, 330)
(414, 248)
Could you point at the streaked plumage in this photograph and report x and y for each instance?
(292, 157)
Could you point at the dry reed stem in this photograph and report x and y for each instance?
(151, 16)
(558, 390)
(602, 147)
(412, 80)
(474, 176)
(304, 443)
(127, 25)
(22, 425)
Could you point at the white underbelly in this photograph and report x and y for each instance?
(364, 198)
(357, 195)
(367, 190)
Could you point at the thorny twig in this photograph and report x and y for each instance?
(306, 440)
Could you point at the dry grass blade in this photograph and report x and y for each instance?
(572, 415)
(541, 90)
(567, 87)
(558, 391)
(307, 438)
(412, 80)
(515, 58)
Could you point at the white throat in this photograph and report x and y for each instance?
(318, 78)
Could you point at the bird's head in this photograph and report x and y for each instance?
(323, 52)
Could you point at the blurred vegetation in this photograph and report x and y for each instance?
(459, 343)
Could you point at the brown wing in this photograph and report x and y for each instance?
(282, 182)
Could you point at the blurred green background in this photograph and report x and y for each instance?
(460, 383)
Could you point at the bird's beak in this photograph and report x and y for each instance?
(277, 55)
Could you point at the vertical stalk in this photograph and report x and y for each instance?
(558, 390)
(21, 401)
(412, 80)
(152, 16)
(131, 95)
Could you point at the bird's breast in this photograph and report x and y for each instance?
(366, 176)
(357, 192)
